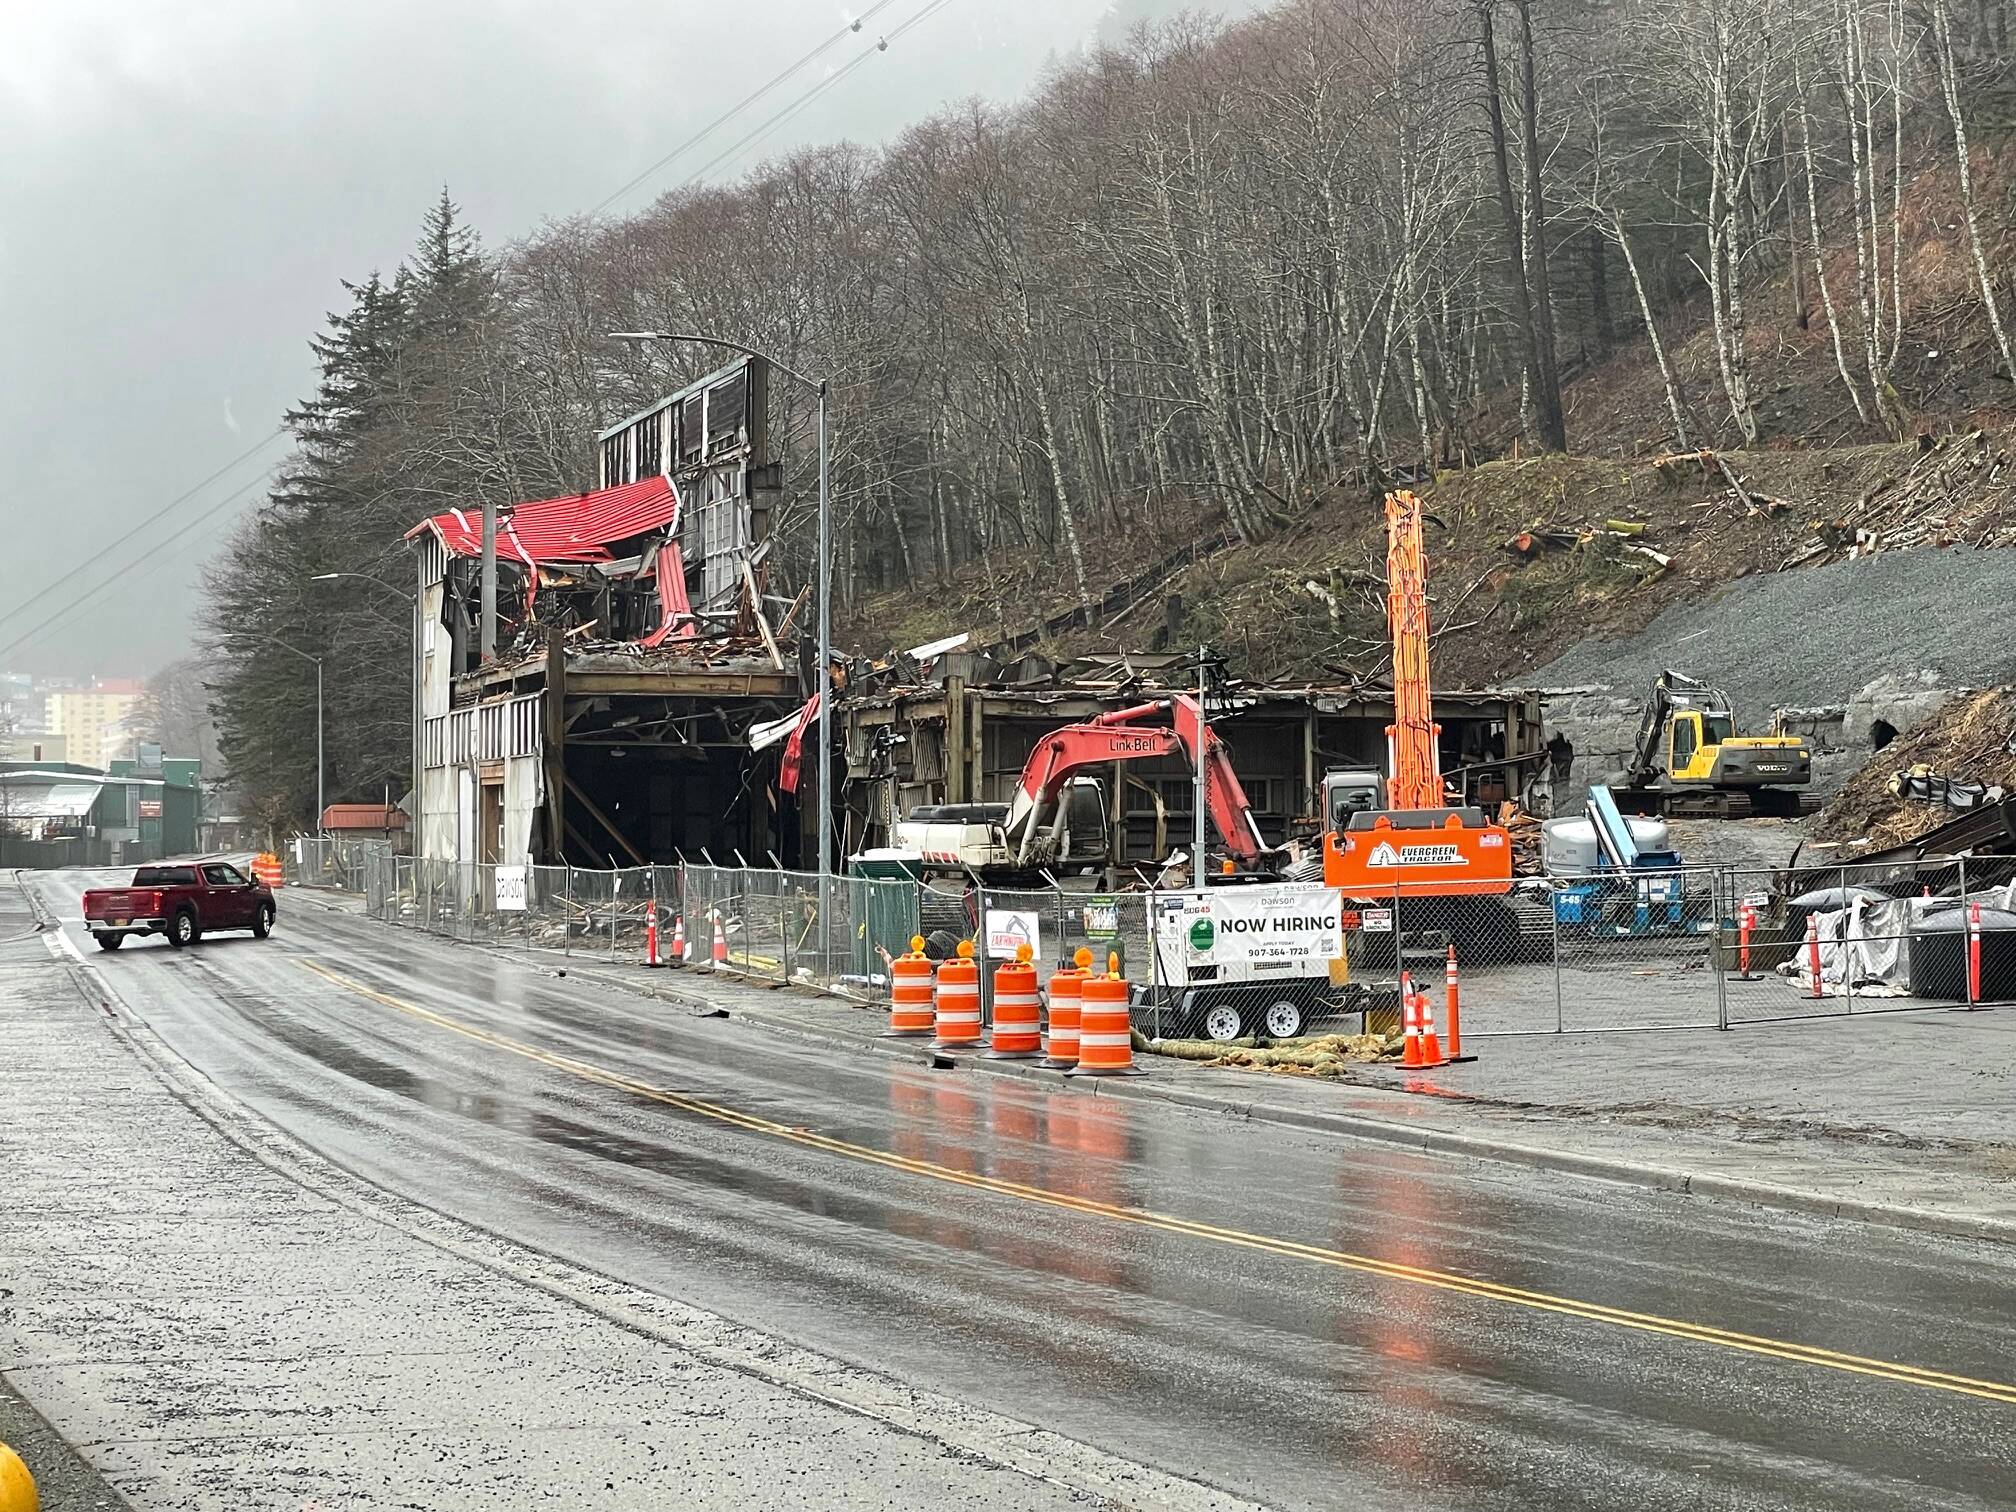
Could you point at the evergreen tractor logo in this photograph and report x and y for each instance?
(1385, 853)
(1202, 935)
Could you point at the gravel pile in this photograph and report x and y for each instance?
(1819, 635)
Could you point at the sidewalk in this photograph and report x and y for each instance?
(1899, 1119)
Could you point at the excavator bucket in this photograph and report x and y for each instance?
(1415, 852)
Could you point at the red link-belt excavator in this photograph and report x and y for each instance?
(1043, 829)
(1418, 846)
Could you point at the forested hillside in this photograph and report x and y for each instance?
(1220, 280)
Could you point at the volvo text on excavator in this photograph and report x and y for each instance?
(1417, 846)
(1689, 760)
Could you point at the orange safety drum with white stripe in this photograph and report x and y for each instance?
(1066, 989)
(911, 1014)
(1018, 1030)
(958, 1000)
(1105, 1041)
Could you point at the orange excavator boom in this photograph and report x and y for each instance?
(1123, 735)
(1418, 844)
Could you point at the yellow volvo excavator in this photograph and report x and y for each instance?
(1690, 760)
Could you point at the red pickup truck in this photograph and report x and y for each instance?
(183, 900)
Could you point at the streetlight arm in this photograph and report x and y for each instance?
(817, 385)
(363, 577)
(274, 641)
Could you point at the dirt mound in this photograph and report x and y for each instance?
(1969, 741)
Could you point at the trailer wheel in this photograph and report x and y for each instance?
(1222, 1022)
(1283, 1019)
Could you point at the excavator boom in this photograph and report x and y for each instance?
(1418, 843)
(1121, 736)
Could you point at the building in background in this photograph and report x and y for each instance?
(96, 721)
(67, 814)
(35, 746)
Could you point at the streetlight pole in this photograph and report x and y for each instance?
(1203, 735)
(320, 805)
(824, 688)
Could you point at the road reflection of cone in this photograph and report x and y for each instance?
(1071, 1129)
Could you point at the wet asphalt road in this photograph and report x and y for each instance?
(1287, 1378)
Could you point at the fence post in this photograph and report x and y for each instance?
(1160, 988)
(1554, 934)
(1724, 900)
(1970, 938)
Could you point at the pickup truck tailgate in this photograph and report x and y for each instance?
(121, 903)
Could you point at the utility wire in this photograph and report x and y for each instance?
(931, 8)
(74, 605)
(728, 115)
(159, 516)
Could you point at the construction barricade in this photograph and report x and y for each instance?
(957, 1001)
(1105, 1032)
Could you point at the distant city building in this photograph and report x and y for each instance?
(35, 746)
(95, 721)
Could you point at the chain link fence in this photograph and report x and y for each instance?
(757, 922)
(1666, 949)
(343, 861)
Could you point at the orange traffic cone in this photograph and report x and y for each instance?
(1410, 1023)
(720, 941)
(1431, 1047)
(1455, 1014)
(651, 935)
(680, 954)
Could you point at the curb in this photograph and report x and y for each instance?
(1352, 1125)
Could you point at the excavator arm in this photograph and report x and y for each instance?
(1123, 735)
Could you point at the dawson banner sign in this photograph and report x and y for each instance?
(1248, 934)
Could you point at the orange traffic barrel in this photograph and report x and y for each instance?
(1018, 1030)
(1105, 1040)
(910, 1005)
(958, 1000)
(1066, 991)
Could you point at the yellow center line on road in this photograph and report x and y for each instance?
(1447, 1281)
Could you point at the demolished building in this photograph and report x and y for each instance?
(649, 697)
(634, 654)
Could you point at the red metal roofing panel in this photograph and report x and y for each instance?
(573, 528)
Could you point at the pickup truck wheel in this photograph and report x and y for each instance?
(108, 939)
(262, 924)
(1283, 1019)
(182, 929)
(1222, 1023)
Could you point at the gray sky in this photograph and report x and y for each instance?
(185, 185)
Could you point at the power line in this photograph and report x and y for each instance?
(75, 605)
(728, 115)
(160, 515)
(931, 8)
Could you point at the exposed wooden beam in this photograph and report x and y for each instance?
(762, 624)
(595, 811)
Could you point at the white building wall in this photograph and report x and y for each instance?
(524, 791)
